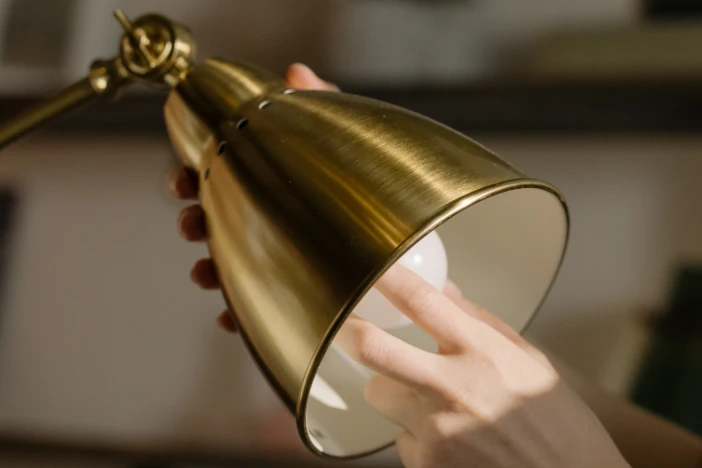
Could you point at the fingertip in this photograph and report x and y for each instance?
(204, 274)
(300, 76)
(182, 184)
(191, 223)
(300, 71)
(331, 86)
(226, 322)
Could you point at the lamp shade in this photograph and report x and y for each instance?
(310, 196)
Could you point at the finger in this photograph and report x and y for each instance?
(494, 321)
(331, 86)
(300, 76)
(406, 446)
(204, 274)
(191, 223)
(426, 306)
(386, 354)
(226, 322)
(474, 310)
(395, 401)
(182, 184)
(454, 293)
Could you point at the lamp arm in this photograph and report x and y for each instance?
(68, 99)
(106, 79)
(153, 49)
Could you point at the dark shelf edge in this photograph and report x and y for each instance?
(524, 109)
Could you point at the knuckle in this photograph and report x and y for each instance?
(422, 298)
(459, 398)
(432, 381)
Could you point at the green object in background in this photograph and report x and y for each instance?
(670, 379)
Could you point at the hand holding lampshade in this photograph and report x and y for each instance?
(471, 400)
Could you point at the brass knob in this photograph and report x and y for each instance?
(155, 49)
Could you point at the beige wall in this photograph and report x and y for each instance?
(102, 335)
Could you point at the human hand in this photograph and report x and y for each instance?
(487, 398)
(183, 185)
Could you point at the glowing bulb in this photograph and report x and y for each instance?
(427, 258)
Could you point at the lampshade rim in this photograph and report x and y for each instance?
(446, 214)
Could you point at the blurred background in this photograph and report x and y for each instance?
(109, 357)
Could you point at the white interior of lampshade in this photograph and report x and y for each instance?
(503, 253)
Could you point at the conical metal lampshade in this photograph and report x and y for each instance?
(311, 196)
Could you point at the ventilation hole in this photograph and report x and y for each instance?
(264, 104)
(242, 123)
(207, 173)
(222, 147)
(288, 91)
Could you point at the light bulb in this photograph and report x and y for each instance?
(427, 258)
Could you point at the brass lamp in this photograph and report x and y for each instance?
(310, 196)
